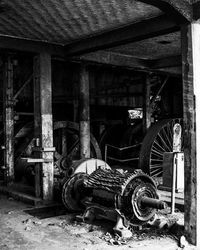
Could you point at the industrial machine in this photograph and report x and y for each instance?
(127, 198)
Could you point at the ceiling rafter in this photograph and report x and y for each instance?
(120, 60)
(25, 45)
(113, 59)
(131, 33)
(167, 62)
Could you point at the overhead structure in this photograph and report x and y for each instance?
(160, 36)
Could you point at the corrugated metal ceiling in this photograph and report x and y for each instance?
(63, 21)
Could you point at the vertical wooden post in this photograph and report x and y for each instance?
(44, 123)
(75, 101)
(37, 124)
(146, 104)
(84, 109)
(8, 119)
(190, 35)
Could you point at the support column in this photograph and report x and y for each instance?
(8, 120)
(84, 109)
(43, 125)
(190, 35)
(146, 104)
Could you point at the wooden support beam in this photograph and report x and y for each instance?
(196, 10)
(167, 62)
(8, 120)
(190, 37)
(131, 33)
(44, 124)
(180, 10)
(84, 109)
(37, 124)
(120, 60)
(114, 59)
(147, 110)
(25, 45)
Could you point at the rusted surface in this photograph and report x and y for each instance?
(111, 190)
(8, 119)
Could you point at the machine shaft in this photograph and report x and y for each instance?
(153, 203)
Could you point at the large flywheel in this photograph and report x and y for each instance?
(66, 143)
(158, 140)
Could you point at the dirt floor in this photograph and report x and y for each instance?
(20, 230)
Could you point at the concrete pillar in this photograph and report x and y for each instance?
(84, 113)
(190, 37)
(8, 120)
(43, 125)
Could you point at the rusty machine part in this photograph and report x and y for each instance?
(158, 141)
(130, 196)
(66, 143)
(122, 137)
(87, 166)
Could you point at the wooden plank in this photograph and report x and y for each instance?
(131, 33)
(43, 122)
(180, 10)
(190, 36)
(25, 45)
(84, 109)
(8, 119)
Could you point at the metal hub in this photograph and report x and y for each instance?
(71, 196)
(141, 212)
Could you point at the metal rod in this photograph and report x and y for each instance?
(153, 203)
(173, 185)
(159, 91)
(24, 113)
(125, 160)
(124, 148)
(106, 152)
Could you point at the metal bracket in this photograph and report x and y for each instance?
(40, 149)
(36, 160)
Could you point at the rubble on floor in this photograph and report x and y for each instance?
(21, 231)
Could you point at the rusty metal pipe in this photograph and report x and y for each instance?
(153, 203)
